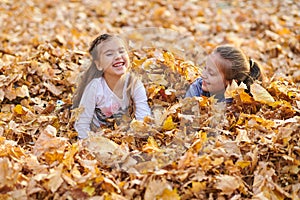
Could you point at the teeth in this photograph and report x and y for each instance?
(118, 64)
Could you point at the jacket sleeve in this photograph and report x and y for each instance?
(141, 101)
(88, 102)
(195, 89)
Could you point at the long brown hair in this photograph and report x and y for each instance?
(92, 72)
(237, 66)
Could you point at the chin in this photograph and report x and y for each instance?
(121, 73)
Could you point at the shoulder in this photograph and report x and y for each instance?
(198, 81)
(195, 88)
(95, 84)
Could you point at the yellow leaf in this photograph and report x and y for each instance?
(139, 62)
(56, 123)
(89, 190)
(198, 144)
(69, 156)
(151, 145)
(2, 140)
(260, 94)
(169, 124)
(169, 195)
(145, 64)
(242, 164)
(169, 59)
(217, 161)
(284, 31)
(198, 186)
(50, 157)
(109, 186)
(245, 98)
(19, 109)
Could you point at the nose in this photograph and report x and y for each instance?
(204, 74)
(118, 55)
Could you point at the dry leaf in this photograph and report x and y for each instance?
(227, 184)
(260, 94)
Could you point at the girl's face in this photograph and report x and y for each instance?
(113, 57)
(213, 78)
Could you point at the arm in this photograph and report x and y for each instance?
(195, 89)
(88, 102)
(140, 100)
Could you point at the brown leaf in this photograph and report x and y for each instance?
(155, 188)
(52, 88)
(9, 172)
(55, 179)
(227, 184)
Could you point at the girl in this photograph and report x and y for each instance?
(107, 90)
(224, 65)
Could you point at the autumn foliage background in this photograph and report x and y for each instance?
(191, 149)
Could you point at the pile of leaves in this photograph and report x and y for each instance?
(191, 148)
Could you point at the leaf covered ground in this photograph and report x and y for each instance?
(191, 148)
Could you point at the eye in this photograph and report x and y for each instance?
(211, 73)
(122, 51)
(109, 54)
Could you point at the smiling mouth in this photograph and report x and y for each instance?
(119, 64)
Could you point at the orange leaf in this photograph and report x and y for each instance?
(19, 110)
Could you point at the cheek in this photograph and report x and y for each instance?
(98, 65)
(126, 57)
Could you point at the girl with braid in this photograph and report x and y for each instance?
(107, 90)
(225, 64)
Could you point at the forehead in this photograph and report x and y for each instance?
(214, 61)
(111, 44)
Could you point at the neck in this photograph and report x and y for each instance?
(116, 84)
(219, 95)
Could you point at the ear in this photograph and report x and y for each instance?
(97, 63)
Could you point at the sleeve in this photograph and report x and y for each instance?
(141, 101)
(88, 102)
(195, 89)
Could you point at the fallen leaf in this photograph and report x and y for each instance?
(260, 94)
